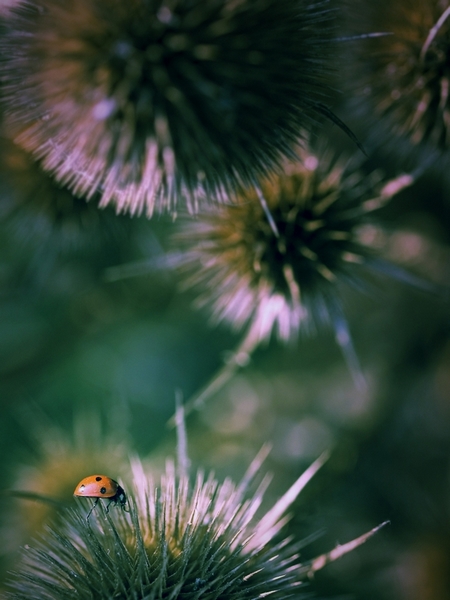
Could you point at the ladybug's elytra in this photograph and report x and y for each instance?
(101, 486)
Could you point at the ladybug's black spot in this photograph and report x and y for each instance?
(98, 479)
(103, 490)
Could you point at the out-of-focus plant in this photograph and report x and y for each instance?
(44, 216)
(284, 273)
(400, 81)
(148, 101)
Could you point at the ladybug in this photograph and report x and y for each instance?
(101, 486)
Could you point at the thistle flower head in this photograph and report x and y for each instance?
(404, 76)
(149, 99)
(249, 273)
(178, 541)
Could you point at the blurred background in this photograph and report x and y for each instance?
(91, 364)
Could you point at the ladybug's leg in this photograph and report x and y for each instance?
(112, 501)
(92, 508)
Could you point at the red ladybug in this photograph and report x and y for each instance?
(101, 486)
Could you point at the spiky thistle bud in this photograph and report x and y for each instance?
(287, 276)
(148, 100)
(403, 77)
(177, 541)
